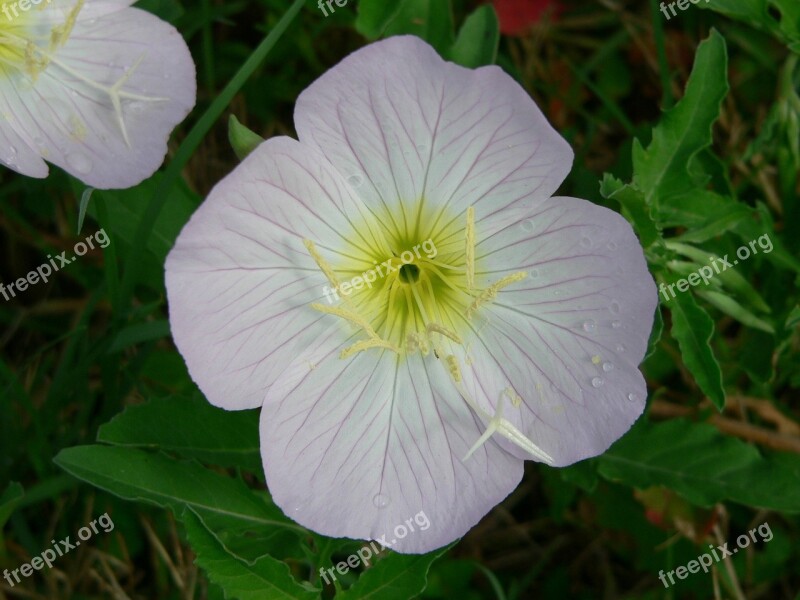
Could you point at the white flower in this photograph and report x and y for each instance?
(519, 339)
(92, 86)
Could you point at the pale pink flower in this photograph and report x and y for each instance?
(518, 338)
(92, 86)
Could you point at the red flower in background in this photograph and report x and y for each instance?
(517, 16)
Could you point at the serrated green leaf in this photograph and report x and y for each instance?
(478, 39)
(190, 427)
(662, 170)
(242, 140)
(266, 579)
(693, 329)
(702, 465)
(394, 577)
(634, 208)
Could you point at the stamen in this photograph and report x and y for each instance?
(490, 293)
(322, 263)
(347, 316)
(60, 34)
(435, 327)
(366, 345)
(470, 249)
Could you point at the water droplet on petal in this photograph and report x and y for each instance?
(620, 348)
(633, 397)
(355, 180)
(614, 308)
(80, 162)
(616, 324)
(380, 500)
(589, 326)
(607, 367)
(422, 148)
(527, 225)
(612, 245)
(597, 382)
(534, 272)
(586, 242)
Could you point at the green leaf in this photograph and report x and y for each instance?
(655, 333)
(634, 208)
(729, 277)
(374, 17)
(431, 20)
(693, 328)
(243, 141)
(124, 212)
(732, 308)
(85, 197)
(268, 578)
(478, 39)
(156, 479)
(755, 13)
(702, 465)
(139, 333)
(190, 427)
(662, 171)
(394, 577)
(9, 501)
(793, 320)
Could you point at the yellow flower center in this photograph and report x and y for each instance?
(419, 299)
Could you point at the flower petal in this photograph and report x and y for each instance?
(18, 155)
(569, 337)
(357, 447)
(67, 114)
(239, 272)
(413, 126)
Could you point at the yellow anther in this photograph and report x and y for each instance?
(470, 248)
(59, 35)
(516, 400)
(321, 263)
(366, 345)
(452, 366)
(490, 293)
(417, 341)
(436, 328)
